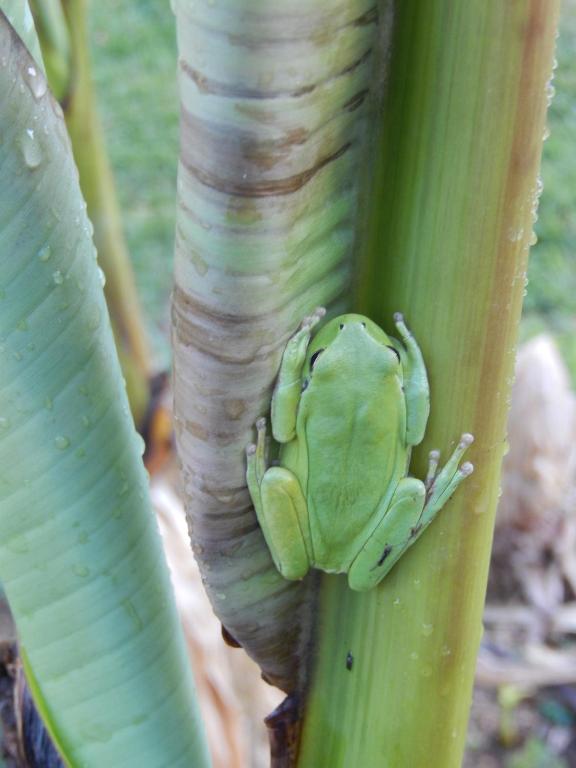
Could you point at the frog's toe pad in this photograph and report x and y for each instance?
(466, 469)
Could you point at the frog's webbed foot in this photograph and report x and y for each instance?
(441, 485)
(304, 331)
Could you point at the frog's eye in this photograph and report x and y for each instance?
(314, 358)
(395, 352)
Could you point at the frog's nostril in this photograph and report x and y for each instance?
(341, 326)
(363, 325)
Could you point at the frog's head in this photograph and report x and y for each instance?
(353, 338)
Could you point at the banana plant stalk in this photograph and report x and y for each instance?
(63, 32)
(80, 556)
(447, 231)
(273, 121)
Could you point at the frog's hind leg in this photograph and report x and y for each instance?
(388, 540)
(281, 509)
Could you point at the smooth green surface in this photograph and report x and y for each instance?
(348, 406)
(449, 224)
(80, 556)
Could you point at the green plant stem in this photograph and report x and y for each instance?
(99, 191)
(449, 223)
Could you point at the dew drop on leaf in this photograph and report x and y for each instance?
(31, 151)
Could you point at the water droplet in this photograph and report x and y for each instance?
(396, 602)
(427, 629)
(36, 82)
(22, 325)
(140, 444)
(81, 570)
(515, 235)
(414, 656)
(546, 134)
(48, 404)
(86, 420)
(58, 277)
(417, 583)
(4, 423)
(31, 151)
(61, 442)
(80, 453)
(550, 92)
(102, 277)
(44, 253)
(17, 356)
(446, 651)
(123, 490)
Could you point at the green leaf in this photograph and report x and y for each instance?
(80, 555)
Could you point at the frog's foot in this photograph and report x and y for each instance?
(433, 459)
(311, 320)
(297, 345)
(441, 485)
(257, 455)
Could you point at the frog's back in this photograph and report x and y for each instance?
(353, 426)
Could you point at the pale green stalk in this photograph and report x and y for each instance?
(274, 112)
(448, 226)
(80, 556)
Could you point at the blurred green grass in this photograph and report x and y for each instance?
(134, 57)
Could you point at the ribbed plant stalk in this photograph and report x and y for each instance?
(449, 225)
(81, 560)
(63, 31)
(273, 118)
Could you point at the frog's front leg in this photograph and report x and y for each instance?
(388, 540)
(281, 510)
(286, 396)
(416, 389)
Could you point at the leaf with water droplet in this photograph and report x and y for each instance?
(31, 150)
(44, 253)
